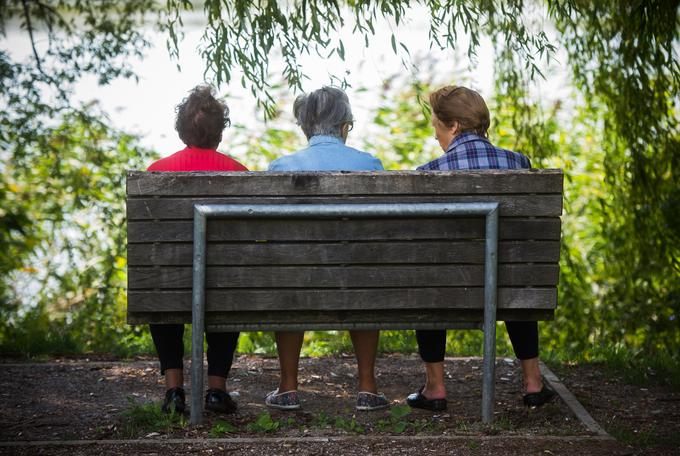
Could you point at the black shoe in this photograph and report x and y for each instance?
(174, 401)
(417, 400)
(537, 399)
(219, 401)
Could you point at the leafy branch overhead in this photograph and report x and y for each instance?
(243, 35)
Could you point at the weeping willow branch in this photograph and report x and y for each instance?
(242, 35)
(29, 27)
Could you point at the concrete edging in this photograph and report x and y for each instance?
(275, 440)
(573, 403)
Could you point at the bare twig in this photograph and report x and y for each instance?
(27, 15)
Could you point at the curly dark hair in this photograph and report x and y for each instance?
(201, 118)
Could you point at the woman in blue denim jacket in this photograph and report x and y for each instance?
(325, 117)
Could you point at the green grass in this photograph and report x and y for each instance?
(502, 423)
(220, 428)
(264, 424)
(463, 426)
(139, 420)
(424, 425)
(396, 423)
(321, 420)
(349, 425)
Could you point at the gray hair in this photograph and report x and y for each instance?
(323, 112)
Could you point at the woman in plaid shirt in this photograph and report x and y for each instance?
(461, 120)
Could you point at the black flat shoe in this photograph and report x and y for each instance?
(219, 401)
(537, 399)
(174, 401)
(417, 400)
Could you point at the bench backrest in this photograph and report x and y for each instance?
(342, 273)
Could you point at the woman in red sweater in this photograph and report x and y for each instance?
(201, 119)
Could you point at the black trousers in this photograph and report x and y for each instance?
(523, 335)
(169, 343)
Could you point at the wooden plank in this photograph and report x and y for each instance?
(355, 183)
(174, 277)
(511, 205)
(337, 230)
(179, 254)
(356, 319)
(384, 298)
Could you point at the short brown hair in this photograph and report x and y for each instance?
(459, 104)
(201, 118)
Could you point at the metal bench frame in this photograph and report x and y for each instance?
(203, 212)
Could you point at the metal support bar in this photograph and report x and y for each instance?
(490, 298)
(204, 211)
(198, 317)
(369, 210)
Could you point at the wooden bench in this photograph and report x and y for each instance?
(362, 250)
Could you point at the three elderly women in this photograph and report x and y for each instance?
(460, 119)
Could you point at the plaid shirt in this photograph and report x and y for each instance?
(470, 151)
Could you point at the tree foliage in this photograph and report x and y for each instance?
(61, 187)
(62, 231)
(69, 288)
(625, 62)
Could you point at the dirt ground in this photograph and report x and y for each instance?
(90, 399)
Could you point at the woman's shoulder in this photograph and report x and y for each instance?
(229, 162)
(371, 160)
(166, 163)
(286, 162)
(192, 159)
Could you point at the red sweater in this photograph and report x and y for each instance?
(195, 159)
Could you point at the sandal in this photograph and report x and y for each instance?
(219, 401)
(418, 400)
(174, 401)
(537, 399)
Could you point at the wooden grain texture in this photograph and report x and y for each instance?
(355, 183)
(181, 254)
(548, 205)
(353, 319)
(511, 275)
(343, 273)
(510, 228)
(385, 298)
